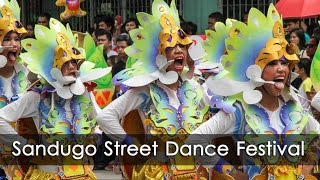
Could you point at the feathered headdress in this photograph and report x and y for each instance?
(249, 49)
(9, 21)
(214, 46)
(10, 18)
(50, 50)
(315, 70)
(156, 33)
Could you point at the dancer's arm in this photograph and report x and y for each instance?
(109, 118)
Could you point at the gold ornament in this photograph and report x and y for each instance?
(65, 52)
(277, 48)
(8, 22)
(171, 34)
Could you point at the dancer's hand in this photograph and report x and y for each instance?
(191, 67)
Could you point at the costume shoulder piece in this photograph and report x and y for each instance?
(182, 120)
(50, 50)
(54, 119)
(249, 48)
(156, 33)
(294, 119)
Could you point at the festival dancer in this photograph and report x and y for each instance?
(13, 75)
(256, 81)
(165, 99)
(63, 108)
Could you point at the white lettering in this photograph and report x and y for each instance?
(53, 149)
(240, 147)
(169, 149)
(106, 144)
(91, 152)
(212, 151)
(15, 146)
(132, 150)
(77, 154)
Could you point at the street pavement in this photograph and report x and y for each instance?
(108, 175)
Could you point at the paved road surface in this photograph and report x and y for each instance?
(108, 175)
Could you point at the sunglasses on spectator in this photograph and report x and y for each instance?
(311, 45)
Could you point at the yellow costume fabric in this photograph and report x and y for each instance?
(153, 170)
(37, 174)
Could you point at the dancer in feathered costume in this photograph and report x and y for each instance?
(13, 75)
(170, 105)
(210, 64)
(256, 78)
(64, 107)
